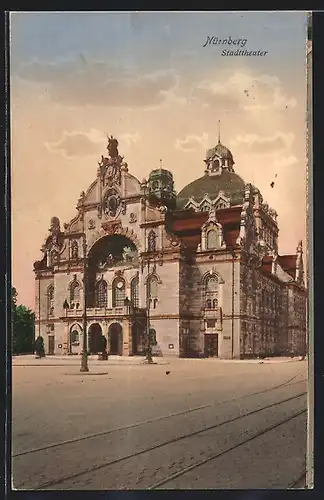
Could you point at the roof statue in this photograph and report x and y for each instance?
(112, 147)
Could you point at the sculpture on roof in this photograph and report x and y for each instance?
(112, 147)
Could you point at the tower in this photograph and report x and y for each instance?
(160, 187)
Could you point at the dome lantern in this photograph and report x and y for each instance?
(218, 158)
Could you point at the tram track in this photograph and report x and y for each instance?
(148, 450)
(215, 456)
(287, 383)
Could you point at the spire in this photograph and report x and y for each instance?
(218, 131)
(161, 164)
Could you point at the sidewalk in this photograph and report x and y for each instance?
(30, 360)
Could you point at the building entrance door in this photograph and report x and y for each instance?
(211, 345)
(51, 345)
(116, 339)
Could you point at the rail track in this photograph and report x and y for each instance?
(287, 383)
(120, 460)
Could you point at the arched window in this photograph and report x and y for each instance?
(75, 338)
(152, 290)
(151, 242)
(101, 294)
(134, 292)
(215, 165)
(75, 293)
(118, 293)
(50, 300)
(212, 239)
(211, 292)
(75, 250)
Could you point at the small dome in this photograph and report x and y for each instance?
(222, 150)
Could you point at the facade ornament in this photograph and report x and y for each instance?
(274, 261)
(123, 207)
(132, 218)
(91, 224)
(299, 277)
(111, 227)
(111, 203)
(212, 233)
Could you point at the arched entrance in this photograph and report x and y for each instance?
(95, 335)
(115, 333)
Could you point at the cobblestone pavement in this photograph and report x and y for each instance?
(178, 424)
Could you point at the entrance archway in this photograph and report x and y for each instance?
(115, 333)
(95, 335)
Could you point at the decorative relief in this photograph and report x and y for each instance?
(132, 218)
(111, 227)
(91, 224)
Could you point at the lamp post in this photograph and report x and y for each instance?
(233, 298)
(39, 305)
(84, 356)
(148, 358)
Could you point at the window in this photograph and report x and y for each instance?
(211, 292)
(75, 292)
(118, 293)
(134, 292)
(205, 207)
(151, 241)
(50, 300)
(152, 290)
(215, 165)
(212, 239)
(101, 294)
(74, 250)
(75, 339)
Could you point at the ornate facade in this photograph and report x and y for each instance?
(202, 268)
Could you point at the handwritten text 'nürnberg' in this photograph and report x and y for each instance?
(236, 42)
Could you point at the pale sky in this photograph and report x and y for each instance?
(147, 79)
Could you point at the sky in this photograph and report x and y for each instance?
(147, 79)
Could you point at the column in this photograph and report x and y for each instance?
(66, 343)
(127, 338)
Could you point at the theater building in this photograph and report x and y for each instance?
(201, 267)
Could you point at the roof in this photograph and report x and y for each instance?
(222, 150)
(187, 225)
(229, 182)
(288, 264)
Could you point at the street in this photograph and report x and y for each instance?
(177, 424)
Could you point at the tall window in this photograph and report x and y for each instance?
(134, 292)
(50, 300)
(151, 241)
(75, 293)
(152, 291)
(101, 294)
(74, 250)
(212, 239)
(118, 293)
(211, 292)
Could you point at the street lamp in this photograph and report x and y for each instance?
(148, 358)
(84, 356)
(233, 297)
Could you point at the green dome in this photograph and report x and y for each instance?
(229, 182)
